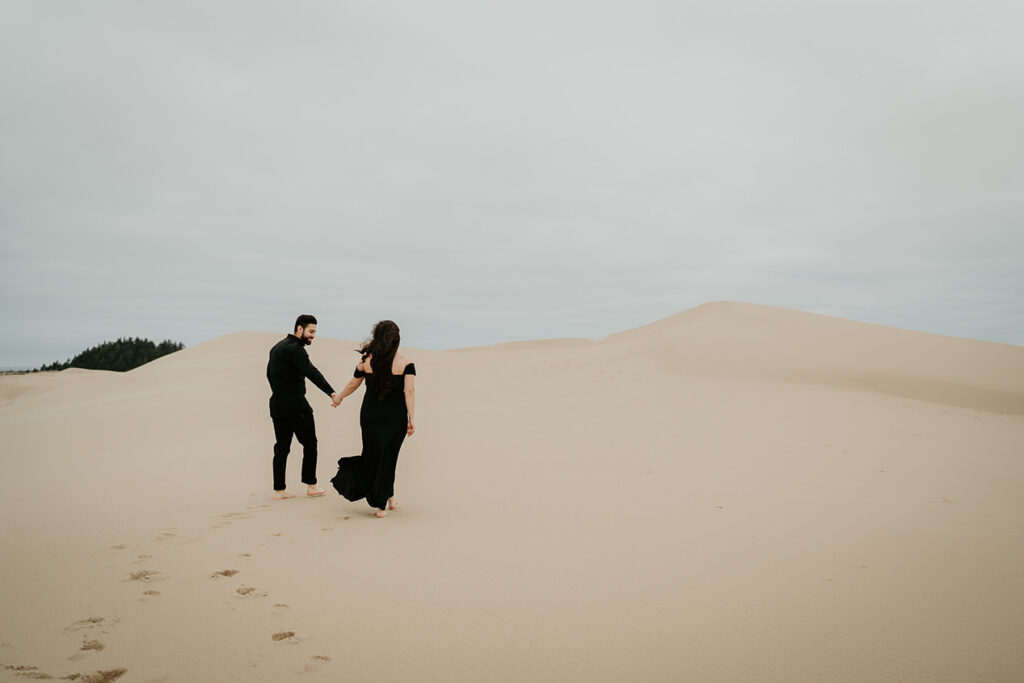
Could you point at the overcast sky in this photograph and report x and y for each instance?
(491, 171)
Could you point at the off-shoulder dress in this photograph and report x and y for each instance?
(371, 474)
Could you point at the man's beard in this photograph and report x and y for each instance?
(307, 341)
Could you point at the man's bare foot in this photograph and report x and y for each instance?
(381, 513)
(314, 491)
(392, 503)
(281, 495)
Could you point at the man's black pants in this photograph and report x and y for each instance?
(301, 425)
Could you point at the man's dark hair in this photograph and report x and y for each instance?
(302, 321)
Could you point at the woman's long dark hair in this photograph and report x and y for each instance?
(383, 345)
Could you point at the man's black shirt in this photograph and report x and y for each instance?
(287, 371)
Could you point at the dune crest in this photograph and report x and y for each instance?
(732, 340)
(757, 342)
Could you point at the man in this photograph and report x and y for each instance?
(287, 371)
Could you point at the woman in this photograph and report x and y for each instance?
(386, 418)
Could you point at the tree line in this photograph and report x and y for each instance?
(121, 355)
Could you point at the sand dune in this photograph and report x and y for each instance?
(750, 341)
(737, 492)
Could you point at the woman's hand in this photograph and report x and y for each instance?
(410, 428)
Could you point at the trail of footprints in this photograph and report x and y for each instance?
(89, 626)
(32, 672)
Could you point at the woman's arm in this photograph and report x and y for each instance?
(410, 403)
(352, 385)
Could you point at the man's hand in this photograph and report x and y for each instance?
(335, 400)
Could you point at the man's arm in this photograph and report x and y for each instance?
(310, 372)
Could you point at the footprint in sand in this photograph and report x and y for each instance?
(280, 609)
(166, 536)
(32, 672)
(146, 575)
(98, 676)
(285, 637)
(87, 647)
(224, 572)
(327, 528)
(122, 546)
(250, 592)
(91, 622)
(93, 677)
(245, 555)
(315, 663)
(142, 558)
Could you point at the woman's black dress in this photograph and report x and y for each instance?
(371, 475)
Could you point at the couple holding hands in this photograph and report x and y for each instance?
(385, 419)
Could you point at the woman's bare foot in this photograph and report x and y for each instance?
(314, 491)
(381, 514)
(392, 503)
(281, 495)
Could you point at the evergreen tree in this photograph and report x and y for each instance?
(121, 355)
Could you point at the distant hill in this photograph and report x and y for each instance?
(120, 356)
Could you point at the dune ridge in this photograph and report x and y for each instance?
(752, 341)
(767, 343)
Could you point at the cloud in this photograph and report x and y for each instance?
(498, 172)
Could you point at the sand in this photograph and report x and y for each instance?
(735, 493)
